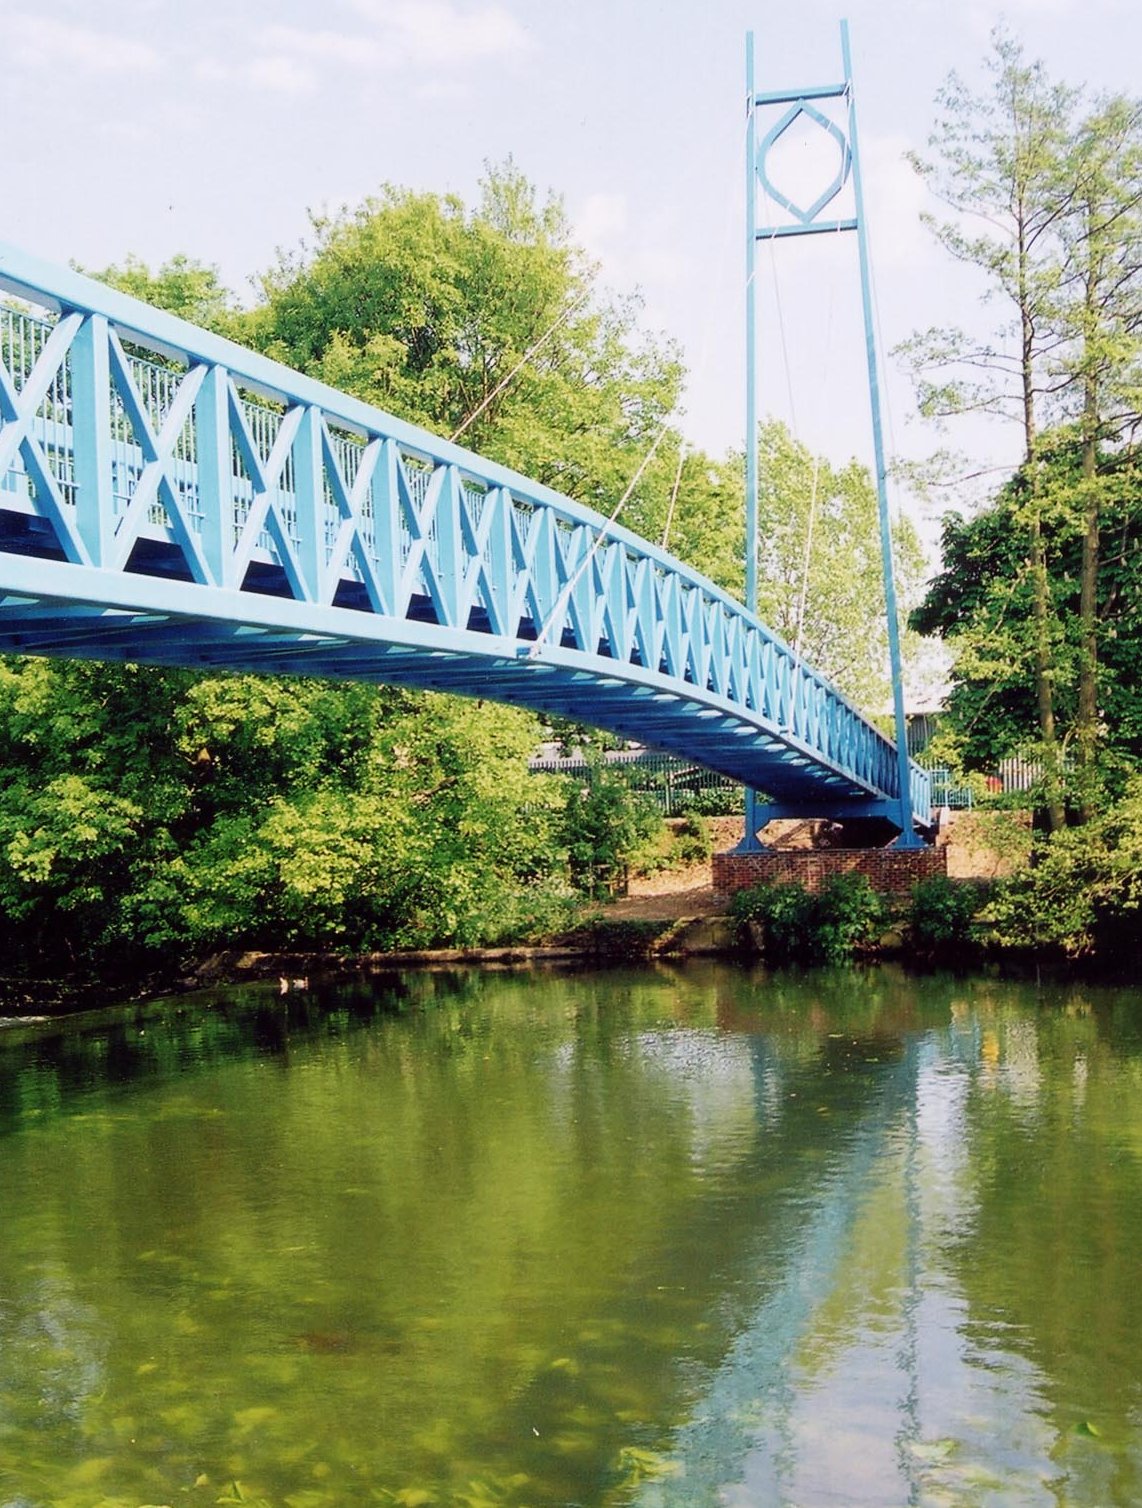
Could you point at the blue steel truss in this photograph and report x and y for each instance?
(169, 498)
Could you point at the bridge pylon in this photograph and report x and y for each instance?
(832, 109)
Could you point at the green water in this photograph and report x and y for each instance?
(681, 1237)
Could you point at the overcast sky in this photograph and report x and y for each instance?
(155, 127)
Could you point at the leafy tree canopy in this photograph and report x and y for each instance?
(980, 604)
(820, 577)
(487, 324)
(182, 286)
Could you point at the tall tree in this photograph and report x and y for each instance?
(996, 163)
(980, 603)
(192, 290)
(1097, 318)
(486, 324)
(820, 581)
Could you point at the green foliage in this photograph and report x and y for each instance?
(784, 914)
(671, 844)
(426, 308)
(995, 163)
(941, 915)
(692, 842)
(981, 604)
(803, 927)
(606, 826)
(1082, 892)
(831, 604)
(712, 801)
(850, 915)
(707, 526)
(147, 812)
(184, 287)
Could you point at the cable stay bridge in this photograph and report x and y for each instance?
(169, 498)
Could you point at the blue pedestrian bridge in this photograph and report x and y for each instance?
(169, 498)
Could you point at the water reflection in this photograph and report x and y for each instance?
(685, 1236)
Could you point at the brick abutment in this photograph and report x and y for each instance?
(890, 871)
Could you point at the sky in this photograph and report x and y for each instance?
(211, 129)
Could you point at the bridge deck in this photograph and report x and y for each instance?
(169, 498)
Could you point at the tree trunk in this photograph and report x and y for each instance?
(1040, 583)
(1086, 721)
(1044, 683)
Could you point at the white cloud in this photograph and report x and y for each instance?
(633, 251)
(347, 50)
(430, 35)
(279, 74)
(442, 33)
(272, 73)
(983, 16)
(39, 42)
(1033, 8)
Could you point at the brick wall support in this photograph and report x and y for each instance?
(890, 871)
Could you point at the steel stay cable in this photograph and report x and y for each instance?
(521, 363)
(813, 496)
(673, 496)
(561, 601)
(560, 604)
(810, 525)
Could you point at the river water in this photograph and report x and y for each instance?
(669, 1237)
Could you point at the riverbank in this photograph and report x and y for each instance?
(598, 939)
(670, 913)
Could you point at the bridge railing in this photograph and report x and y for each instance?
(149, 445)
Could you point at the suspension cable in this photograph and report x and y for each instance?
(673, 496)
(522, 362)
(560, 604)
(703, 361)
(813, 495)
(799, 621)
(781, 324)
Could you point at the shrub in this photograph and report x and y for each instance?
(800, 927)
(1082, 893)
(691, 839)
(710, 801)
(785, 915)
(849, 915)
(606, 826)
(941, 915)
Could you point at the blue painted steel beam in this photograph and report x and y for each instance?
(795, 96)
(806, 221)
(168, 498)
(818, 227)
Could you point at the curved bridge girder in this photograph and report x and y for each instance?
(170, 498)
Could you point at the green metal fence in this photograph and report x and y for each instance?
(675, 785)
(946, 791)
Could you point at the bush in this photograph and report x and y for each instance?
(941, 916)
(850, 915)
(710, 801)
(799, 927)
(1082, 893)
(606, 826)
(785, 915)
(691, 839)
